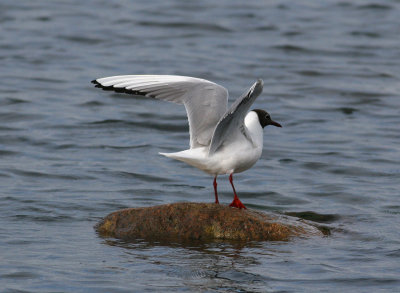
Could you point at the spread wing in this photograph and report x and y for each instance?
(232, 123)
(205, 101)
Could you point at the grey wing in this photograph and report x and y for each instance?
(232, 121)
(205, 101)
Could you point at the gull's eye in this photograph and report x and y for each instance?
(267, 117)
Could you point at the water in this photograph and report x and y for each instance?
(70, 154)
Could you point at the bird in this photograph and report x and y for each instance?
(222, 140)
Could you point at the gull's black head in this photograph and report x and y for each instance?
(265, 118)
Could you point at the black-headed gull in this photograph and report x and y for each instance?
(222, 140)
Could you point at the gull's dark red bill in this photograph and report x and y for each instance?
(275, 123)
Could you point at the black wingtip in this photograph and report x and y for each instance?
(105, 88)
(119, 90)
(99, 85)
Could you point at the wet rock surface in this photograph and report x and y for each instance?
(202, 221)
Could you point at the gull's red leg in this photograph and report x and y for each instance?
(236, 201)
(215, 189)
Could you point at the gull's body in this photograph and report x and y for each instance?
(222, 140)
(235, 157)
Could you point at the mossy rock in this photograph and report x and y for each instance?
(202, 221)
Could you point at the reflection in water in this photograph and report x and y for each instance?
(218, 265)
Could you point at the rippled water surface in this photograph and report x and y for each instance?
(70, 154)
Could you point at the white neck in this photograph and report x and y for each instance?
(254, 128)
